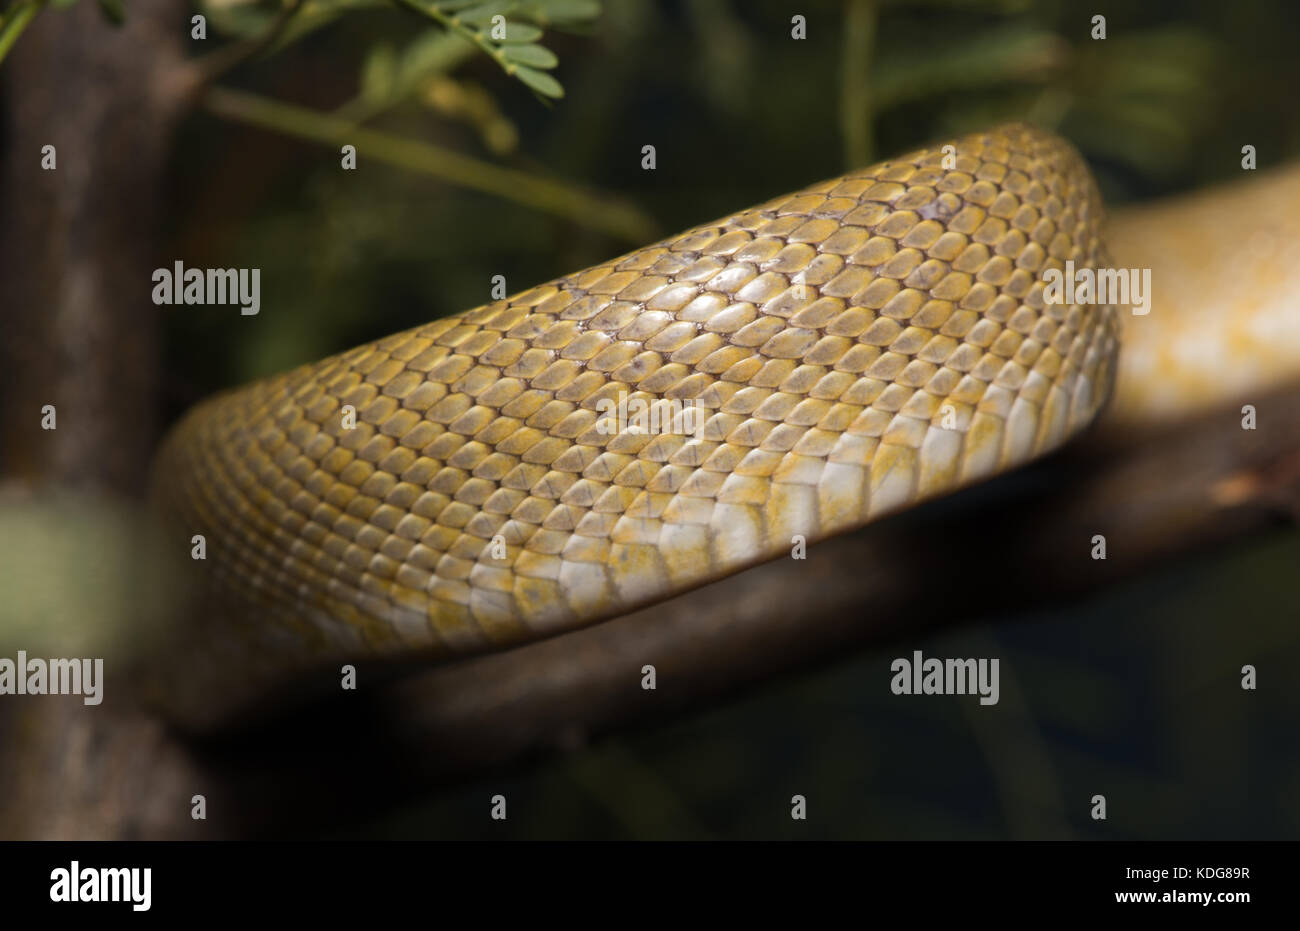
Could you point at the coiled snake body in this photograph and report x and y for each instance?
(861, 345)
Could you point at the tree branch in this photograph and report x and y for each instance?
(1156, 496)
(554, 197)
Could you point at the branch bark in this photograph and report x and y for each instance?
(1156, 496)
(81, 331)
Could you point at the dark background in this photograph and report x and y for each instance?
(1134, 694)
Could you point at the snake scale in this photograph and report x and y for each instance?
(856, 347)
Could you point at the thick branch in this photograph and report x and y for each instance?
(80, 333)
(1154, 496)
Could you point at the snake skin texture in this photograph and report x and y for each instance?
(863, 344)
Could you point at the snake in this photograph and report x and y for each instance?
(841, 353)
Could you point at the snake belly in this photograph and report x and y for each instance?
(856, 347)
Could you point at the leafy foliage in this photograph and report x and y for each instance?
(507, 31)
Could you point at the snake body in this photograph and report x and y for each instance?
(861, 345)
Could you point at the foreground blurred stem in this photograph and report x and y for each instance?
(855, 81)
(554, 197)
(14, 20)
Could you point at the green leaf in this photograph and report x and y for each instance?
(533, 55)
(1000, 56)
(379, 74)
(569, 11)
(241, 20)
(433, 52)
(521, 32)
(481, 14)
(113, 11)
(313, 15)
(564, 15)
(539, 81)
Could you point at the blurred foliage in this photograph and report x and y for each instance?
(1132, 694)
(737, 109)
(126, 587)
(14, 18)
(507, 31)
